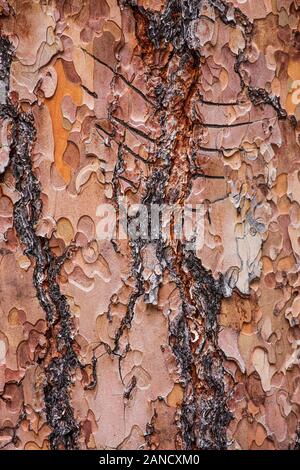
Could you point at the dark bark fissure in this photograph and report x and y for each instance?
(13, 431)
(60, 359)
(205, 414)
(236, 18)
(296, 444)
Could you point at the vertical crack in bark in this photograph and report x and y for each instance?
(60, 360)
(194, 336)
(208, 386)
(204, 414)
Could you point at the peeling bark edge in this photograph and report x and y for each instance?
(26, 213)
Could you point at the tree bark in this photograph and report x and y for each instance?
(149, 337)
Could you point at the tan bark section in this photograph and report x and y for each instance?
(89, 74)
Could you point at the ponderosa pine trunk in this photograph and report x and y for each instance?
(139, 341)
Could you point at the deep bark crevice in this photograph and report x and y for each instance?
(60, 359)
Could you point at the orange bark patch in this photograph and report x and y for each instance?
(64, 88)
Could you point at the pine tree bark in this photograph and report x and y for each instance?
(139, 342)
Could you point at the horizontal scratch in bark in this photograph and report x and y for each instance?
(91, 93)
(118, 74)
(133, 129)
(221, 150)
(216, 103)
(212, 177)
(237, 124)
(125, 147)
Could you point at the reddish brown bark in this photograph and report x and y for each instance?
(143, 343)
